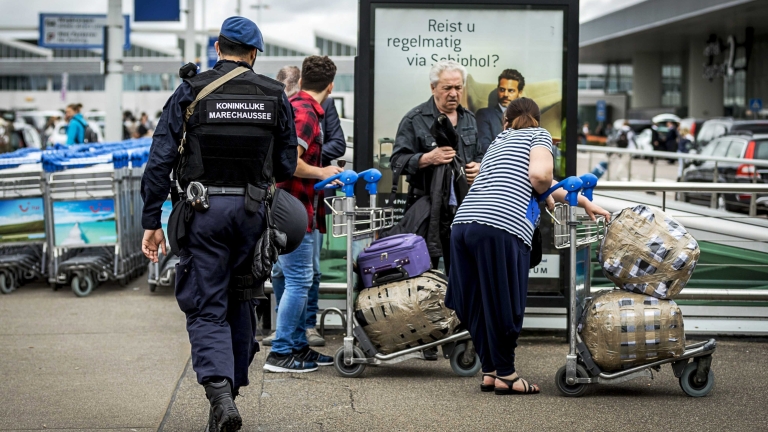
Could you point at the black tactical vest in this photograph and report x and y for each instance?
(231, 131)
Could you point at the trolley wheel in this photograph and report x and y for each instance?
(690, 386)
(7, 283)
(566, 389)
(461, 366)
(152, 287)
(352, 371)
(82, 286)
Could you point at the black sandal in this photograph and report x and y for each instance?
(529, 389)
(486, 388)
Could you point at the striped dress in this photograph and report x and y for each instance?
(501, 192)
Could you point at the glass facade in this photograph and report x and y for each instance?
(273, 50)
(671, 85)
(614, 78)
(735, 91)
(332, 48)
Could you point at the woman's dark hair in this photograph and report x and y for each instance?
(522, 113)
(76, 107)
(317, 72)
(228, 47)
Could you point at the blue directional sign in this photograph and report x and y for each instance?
(601, 111)
(155, 10)
(76, 31)
(756, 105)
(212, 56)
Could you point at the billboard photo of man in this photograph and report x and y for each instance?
(490, 119)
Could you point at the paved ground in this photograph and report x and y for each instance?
(119, 360)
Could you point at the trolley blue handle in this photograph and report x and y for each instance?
(371, 177)
(572, 185)
(589, 182)
(348, 177)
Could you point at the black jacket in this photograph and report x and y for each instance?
(430, 216)
(334, 143)
(489, 125)
(414, 139)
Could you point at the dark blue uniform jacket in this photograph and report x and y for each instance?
(164, 153)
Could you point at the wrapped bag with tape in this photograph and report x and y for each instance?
(406, 313)
(648, 252)
(623, 329)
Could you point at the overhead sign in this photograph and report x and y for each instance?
(73, 31)
(212, 56)
(756, 105)
(601, 108)
(155, 10)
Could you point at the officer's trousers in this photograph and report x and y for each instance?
(221, 329)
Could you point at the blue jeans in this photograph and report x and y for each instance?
(297, 273)
(278, 282)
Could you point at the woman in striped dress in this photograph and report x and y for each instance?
(491, 243)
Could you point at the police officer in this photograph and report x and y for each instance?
(239, 136)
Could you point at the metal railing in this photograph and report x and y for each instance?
(657, 155)
(761, 236)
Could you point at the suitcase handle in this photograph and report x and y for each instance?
(391, 275)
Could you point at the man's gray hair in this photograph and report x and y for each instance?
(446, 65)
(289, 75)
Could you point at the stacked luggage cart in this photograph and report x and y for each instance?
(358, 351)
(576, 231)
(85, 202)
(23, 247)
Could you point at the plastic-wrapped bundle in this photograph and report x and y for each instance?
(648, 252)
(623, 329)
(406, 313)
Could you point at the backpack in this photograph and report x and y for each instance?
(89, 135)
(623, 140)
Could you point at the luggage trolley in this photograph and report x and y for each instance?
(356, 222)
(576, 232)
(163, 272)
(22, 238)
(94, 213)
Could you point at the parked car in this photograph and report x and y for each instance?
(38, 119)
(25, 136)
(59, 135)
(745, 146)
(693, 125)
(715, 128)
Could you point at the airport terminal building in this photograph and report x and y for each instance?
(697, 58)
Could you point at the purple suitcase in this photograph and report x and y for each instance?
(393, 258)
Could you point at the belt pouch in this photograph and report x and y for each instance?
(254, 196)
(178, 225)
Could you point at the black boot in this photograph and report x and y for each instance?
(223, 416)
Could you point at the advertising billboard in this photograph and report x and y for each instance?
(21, 220)
(408, 41)
(84, 223)
(509, 48)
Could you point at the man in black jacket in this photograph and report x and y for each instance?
(416, 153)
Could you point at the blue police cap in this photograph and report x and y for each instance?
(243, 31)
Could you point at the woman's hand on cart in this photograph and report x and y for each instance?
(575, 191)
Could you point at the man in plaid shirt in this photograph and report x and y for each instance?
(290, 349)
